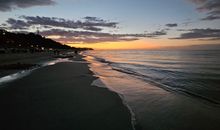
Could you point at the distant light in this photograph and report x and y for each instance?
(54, 37)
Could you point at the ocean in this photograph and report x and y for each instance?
(164, 89)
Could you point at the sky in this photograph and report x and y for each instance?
(116, 24)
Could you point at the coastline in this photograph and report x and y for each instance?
(155, 107)
(61, 97)
(22, 61)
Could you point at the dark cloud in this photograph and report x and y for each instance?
(17, 24)
(92, 28)
(210, 34)
(91, 23)
(211, 7)
(172, 25)
(51, 21)
(8, 5)
(46, 27)
(90, 37)
(156, 34)
(211, 17)
(94, 19)
(60, 22)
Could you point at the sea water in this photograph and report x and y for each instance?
(165, 89)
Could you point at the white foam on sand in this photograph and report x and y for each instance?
(14, 76)
(23, 73)
(98, 83)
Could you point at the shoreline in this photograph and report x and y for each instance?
(98, 83)
(154, 107)
(33, 101)
(13, 63)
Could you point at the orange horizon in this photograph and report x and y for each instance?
(140, 44)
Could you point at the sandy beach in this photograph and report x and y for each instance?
(61, 97)
(22, 58)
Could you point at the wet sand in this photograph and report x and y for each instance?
(61, 97)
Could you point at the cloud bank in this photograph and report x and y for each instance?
(90, 23)
(8, 5)
(209, 34)
(86, 30)
(89, 37)
(211, 7)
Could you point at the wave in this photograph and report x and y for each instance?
(23, 73)
(100, 59)
(157, 81)
(100, 84)
(167, 87)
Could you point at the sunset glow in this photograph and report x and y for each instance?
(141, 44)
(115, 25)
